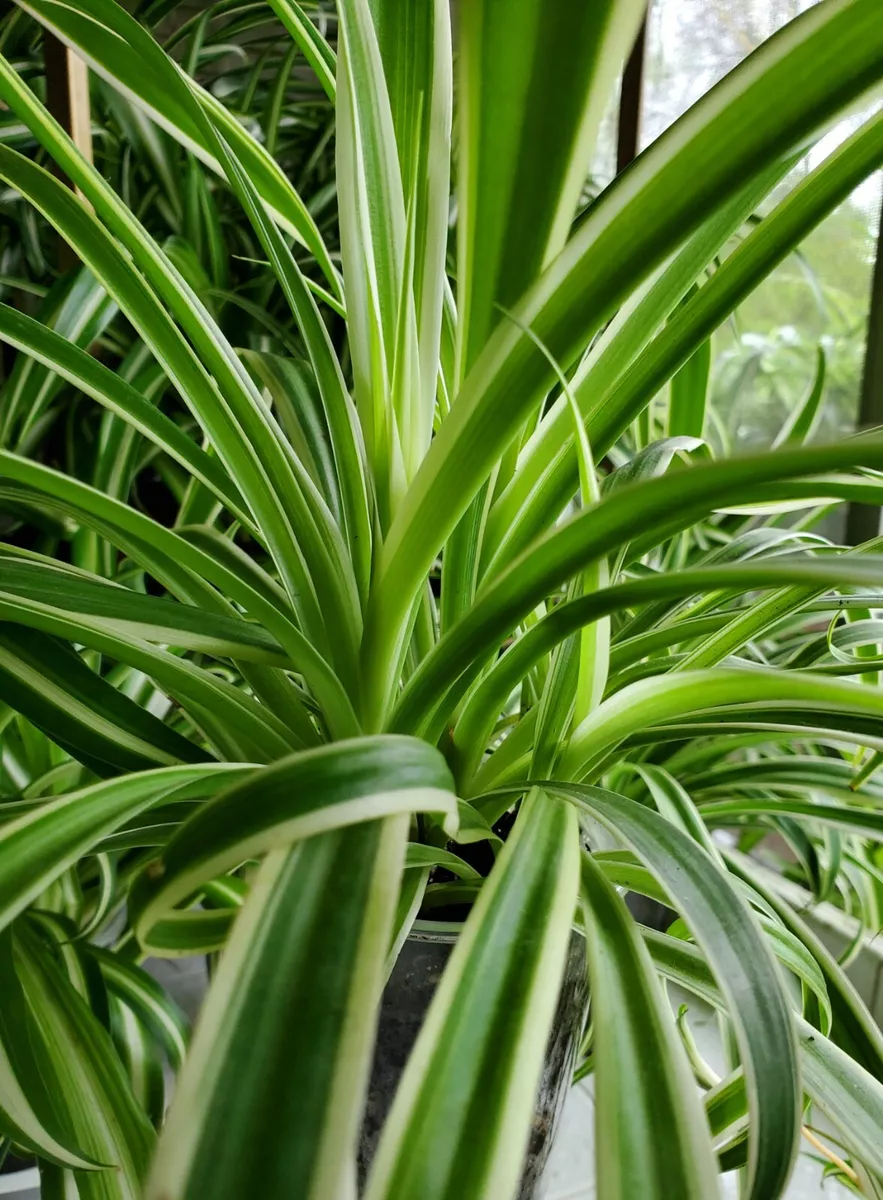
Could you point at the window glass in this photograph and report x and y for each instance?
(764, 359)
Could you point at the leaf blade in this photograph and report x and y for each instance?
(650, 1130)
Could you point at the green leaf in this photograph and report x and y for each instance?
(523, 508)
(535, 76)
(853, 1029)
(120, 397)
(751, 262)
(306, 794)
(689, 391)
(652, 461)
(339, 415)
(85, 1077)
(40, 845)
(140, 1058)
(233, 721)
(742, 963)
(117, 48)
(274, 1082)
(843, 1089)
(77, 309)
(414, 39)
(559, 554)
(778, 99)
(555, 708)
(650, 1130)
(849, 817)
(461, 1117)
(317, 414)
(669, 697)
(850, 1097)
(163, 552)
(153, 618)
(488, 698)
(26, 1109)
(613, 392)
(315, 48)
(318, 924)
(674, 803)
(805, 416)
(293, 518)
(48, 682)
(155, 1009)
(372, 236)
(420, 857)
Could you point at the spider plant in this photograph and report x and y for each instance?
(197, 224)
(425, 579)
(196, 220)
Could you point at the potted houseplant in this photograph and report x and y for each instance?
(314, 714)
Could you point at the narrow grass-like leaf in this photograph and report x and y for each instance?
(372, 234)
(649, 1126)
(299, 797)
(239, 727)
(113, 44)
(40, 845)
(415, 47)
(669, 697)
(274, 1083)
(339, 415)
(84, 1074)
(276, 487)
(847, 816)
(479, 714)
(805, 416)
(77, 309)
(554, 558)
(850, 1097)
(49, 682)
(777, 99)
(461, 1117)
(152, 1005)
(316, 50)
(841, 1087)
(689, 391)
(141, 1060)
(519, 64)
(854, 1029)
(151, 617)
(534, 79)
(162, 551)
(545, 468)
(744, 967)
(776, 237)
(26, 1110)
(119, 397)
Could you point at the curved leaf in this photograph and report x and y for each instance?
(650, 1130)
(26, 1110)
(117, 48)
(85, 1076)
(743, 966)
(41, 844)
(49, 683)
(777, 99)
(298, 797)
(461, 1117)
(276, 1077)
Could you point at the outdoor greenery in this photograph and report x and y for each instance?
(764, 356)
(364, 562)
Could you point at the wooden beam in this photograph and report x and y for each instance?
(631, 102)
(67, 98)
(863, 520)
